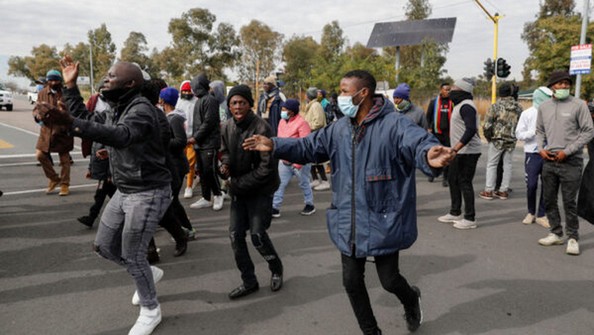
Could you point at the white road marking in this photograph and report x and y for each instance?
(43, 189)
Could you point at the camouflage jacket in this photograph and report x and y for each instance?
(500, 123)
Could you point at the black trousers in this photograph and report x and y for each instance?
(104, 188)
(353, 279)
(253, 213)
(461, 174)
(209, 182)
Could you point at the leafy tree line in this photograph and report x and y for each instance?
(200, 44)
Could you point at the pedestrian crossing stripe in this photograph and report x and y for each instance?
(5, 145)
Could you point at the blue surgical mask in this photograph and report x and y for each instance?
(345, 103)
(561, 94)
(284, 115)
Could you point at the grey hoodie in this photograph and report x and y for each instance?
(564, 125)
(218, 91)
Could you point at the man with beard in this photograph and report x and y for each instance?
(269, 106)
(137, 158)
(53, 138)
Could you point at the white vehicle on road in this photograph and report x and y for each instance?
(5, 98)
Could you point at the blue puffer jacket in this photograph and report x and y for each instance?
(376, 173)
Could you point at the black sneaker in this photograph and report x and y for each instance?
(413, 314)
(275, 213)
(86, 220)
(308, 210)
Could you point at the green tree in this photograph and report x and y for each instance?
(299, 55)
(135, 49)
(549, 39)
(261, 51)
(417, 9)
(326, 71)
(43, 58)
(79, 52)
(362, 58)
(103, 50)
(197, 48)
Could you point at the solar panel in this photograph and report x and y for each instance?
(389, 34)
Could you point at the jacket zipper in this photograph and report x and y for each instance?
(353, 209)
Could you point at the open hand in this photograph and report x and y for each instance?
(69, 71)
(258, 143)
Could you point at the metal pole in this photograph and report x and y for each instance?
(495, 44)
(578, 80)
(397, 65)
(91, 67)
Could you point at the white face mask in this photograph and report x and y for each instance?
(345, 103)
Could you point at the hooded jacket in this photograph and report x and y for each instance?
(373, 209)
(206, 121)
(218, 91)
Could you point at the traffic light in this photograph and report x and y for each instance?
(502, 68)
(489, 69)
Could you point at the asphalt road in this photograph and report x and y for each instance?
(492, 280)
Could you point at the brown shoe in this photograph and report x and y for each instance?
(64, 190)
(51, 186)
(502, 195)
(487, 195)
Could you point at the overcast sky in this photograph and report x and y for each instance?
(26, 24)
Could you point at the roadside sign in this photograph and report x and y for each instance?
(83, 81)
(580, 59)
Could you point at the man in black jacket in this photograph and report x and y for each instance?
(207, 140)
(133, 136)
(254, 179)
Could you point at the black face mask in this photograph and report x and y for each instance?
(458, 96)
(186, 96)
(114, 95)
(56, 87)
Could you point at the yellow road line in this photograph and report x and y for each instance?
(5, 145)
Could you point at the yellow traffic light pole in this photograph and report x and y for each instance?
(495, 19)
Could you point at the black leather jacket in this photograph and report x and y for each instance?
(251, 172)
(133, 136)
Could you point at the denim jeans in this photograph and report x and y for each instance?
(533, 168)
(462, 171)
(127, 225)
(253, 213)
(353, 279)
(494, 155)
(286, 172)
(566, 175)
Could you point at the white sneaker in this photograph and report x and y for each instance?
(218, 202)
(529, 219)
(551, 239)
(314, 183)
(202, 203)
(449, 218)
(157, 275)
(543, 221)
(188, 193)
(573, 248)
(322, 186)
(226, 196)
(465, 224)
(147, 321)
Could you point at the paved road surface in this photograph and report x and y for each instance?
(492, 280)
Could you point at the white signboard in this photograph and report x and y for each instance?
(83, 81)
(581, 59)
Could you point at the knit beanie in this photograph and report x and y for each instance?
(241, 90)
(465, 84)
(541, 95)
(323, 92)
(53, 75)
(506, 89)
(169, 95)
(312, 93)
(402, 92)
(292, 105)
(185, 86)
(557, 76)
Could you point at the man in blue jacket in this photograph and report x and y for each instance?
(374, 152)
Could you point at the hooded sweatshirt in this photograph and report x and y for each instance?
(218, 91)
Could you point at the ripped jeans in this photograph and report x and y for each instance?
(127, 225)
(253, 213)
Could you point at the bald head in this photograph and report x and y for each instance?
(121, 78)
